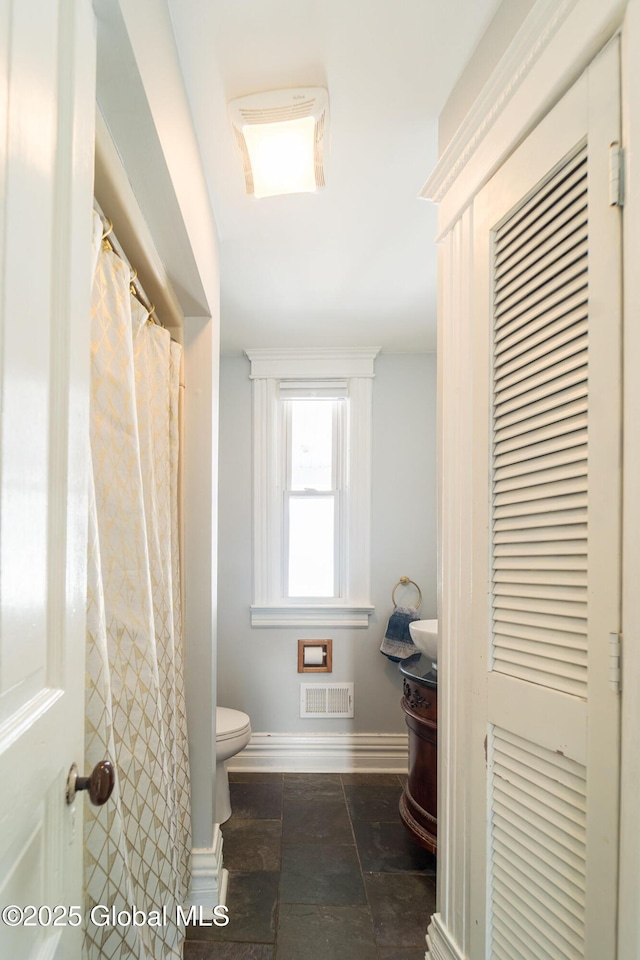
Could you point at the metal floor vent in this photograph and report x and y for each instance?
(326, 700)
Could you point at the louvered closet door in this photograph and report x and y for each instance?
(548, 285)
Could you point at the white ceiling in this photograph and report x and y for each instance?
(354, 264)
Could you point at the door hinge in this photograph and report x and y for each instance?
(615, 661)
(616, 175)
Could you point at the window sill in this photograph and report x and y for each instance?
(309, 615)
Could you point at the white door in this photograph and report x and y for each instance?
(47, 104)
(548, 294)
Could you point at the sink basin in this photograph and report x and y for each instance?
(424, 634)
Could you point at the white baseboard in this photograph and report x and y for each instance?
(222, 888)
(440, 946)
(324, 753)
(208, 879)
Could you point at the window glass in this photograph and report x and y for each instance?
(311, 554)
(311, 451)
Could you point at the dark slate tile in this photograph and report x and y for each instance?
(251, 844)
(256, 801)
(313, 786)
(307, 932)
(375, 803)
(401, 953)
(388, 848)
(200, 950)
(252, 901)
(401, 906)
(370, 779)
(320, 873)
(315, 821)
(242, 776)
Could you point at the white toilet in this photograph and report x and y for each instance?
(233, 732)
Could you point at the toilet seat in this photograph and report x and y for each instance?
(231, 723)
(233, 732)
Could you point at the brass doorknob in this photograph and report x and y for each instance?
(99, 783)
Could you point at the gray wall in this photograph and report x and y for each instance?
(257, 667)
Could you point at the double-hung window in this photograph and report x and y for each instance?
(312, 487)
(313, 482)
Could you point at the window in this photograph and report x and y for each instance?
(312, 487)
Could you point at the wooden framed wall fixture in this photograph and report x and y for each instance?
(315, 656)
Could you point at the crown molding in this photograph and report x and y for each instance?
(535, 34)
(285, 353)
(301, 362)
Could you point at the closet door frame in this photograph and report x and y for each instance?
(590, 108)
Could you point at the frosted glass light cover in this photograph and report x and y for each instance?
(282, 156)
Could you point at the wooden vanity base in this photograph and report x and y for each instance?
(418, 804)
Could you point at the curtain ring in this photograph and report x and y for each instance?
(404, 581)
(107, 230)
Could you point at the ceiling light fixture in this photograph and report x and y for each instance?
(282, 137)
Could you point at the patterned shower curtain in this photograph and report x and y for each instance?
(137, 845)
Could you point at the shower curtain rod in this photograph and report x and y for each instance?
(111, 241)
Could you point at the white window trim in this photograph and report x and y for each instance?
(268, 367)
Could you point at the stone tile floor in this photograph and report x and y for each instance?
(320, 868)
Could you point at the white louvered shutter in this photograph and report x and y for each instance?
(540, 435)
(552, 255)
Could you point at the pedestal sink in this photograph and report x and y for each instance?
(424, 634)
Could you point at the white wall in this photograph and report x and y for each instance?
(257, 667)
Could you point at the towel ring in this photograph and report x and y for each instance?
(402, 582)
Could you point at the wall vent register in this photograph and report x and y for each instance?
(326, 700)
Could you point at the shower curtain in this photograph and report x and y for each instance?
(137, 846)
